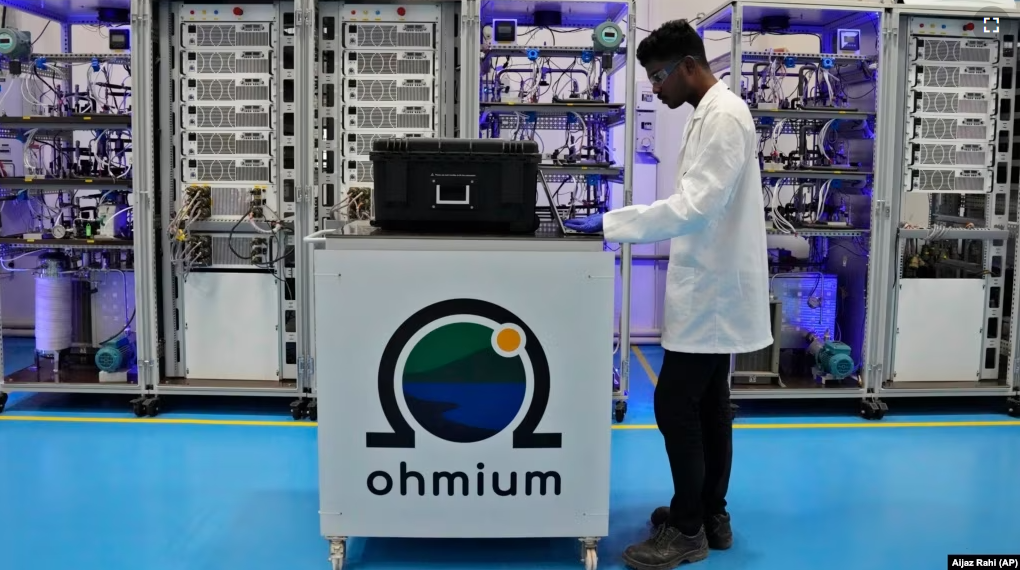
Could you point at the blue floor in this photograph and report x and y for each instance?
(152, 496)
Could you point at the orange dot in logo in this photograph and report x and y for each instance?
(508, 340)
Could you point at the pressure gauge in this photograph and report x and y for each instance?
(607, 37)
(14, 43)
(59, 231)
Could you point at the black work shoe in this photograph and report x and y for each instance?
(717, 528)
(666, 549)
(718, 531)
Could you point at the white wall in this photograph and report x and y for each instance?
(17, 291)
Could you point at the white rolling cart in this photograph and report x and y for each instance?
(462, 383)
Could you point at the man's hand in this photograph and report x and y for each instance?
(590, 225)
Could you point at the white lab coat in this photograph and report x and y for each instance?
(717, 289)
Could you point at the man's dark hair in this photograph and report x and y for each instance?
(673, 41)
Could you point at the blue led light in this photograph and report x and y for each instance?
(799, 317)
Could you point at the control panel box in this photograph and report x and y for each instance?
(644, 133)
(977, 27)
(227, 13)
(645, 97)
(390, 13)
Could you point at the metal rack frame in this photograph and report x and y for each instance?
(585, 13)
(68, 13)
(820, 20)
(302, 173)
(884, 235)
(998, 239)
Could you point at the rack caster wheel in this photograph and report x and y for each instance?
(589, 553)
(138, 407)
(298, 409)
(620, 411)
(312, 411)
(873, 409)
(1012, 406)
(3, 401)
(338, 554)
(152, 407)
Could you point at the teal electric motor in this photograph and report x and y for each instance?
(832, 358)
(115, 355)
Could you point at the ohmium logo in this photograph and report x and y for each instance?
(463, 368)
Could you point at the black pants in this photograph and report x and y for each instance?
(692, 409)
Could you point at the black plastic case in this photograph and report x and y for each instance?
(455, 185)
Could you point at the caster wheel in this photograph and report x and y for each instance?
(3, 401)
(873, 409)
(1012, 408)
(337, 555)
(139, 409)
(313, 412)
(152, 408)
(298, 409)
(620, 411)
(591, 559)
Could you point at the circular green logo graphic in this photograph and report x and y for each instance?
(465, 381)
(464, 368)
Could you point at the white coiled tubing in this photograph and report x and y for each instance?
(52, 313)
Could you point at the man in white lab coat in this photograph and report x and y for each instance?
(717, 298)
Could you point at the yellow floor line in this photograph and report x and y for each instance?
(180, 421)
(296, 424)
(879, 424)
(644, 364)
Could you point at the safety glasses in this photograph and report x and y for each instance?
(659, 76)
